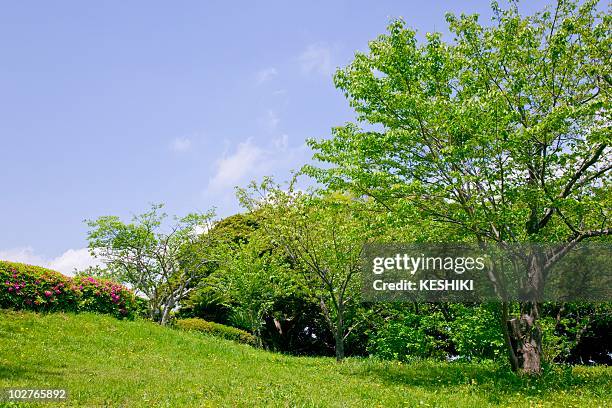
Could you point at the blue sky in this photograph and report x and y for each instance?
(107, 106)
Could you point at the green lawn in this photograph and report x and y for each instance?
(103, 361)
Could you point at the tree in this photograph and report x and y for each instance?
(253, 278)
(323, 237)
(503, 133)
(163, 266)
(253, 286)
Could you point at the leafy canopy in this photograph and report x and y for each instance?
(503, 132)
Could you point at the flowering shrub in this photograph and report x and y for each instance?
(39, 289)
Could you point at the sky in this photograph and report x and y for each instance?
(109, 106)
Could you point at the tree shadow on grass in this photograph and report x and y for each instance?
(20, 373)
(487, 379)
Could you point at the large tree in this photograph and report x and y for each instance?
(503, 132)
(163, 262)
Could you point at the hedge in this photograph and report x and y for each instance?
(217, 330)
(35, 288)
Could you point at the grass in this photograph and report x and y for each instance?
(106, 362)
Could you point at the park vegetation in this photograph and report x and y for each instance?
(43, 290)
(498, 136)
(103, 361)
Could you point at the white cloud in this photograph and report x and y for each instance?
(24, 255)
(281, 143)
(181, 144)
(316, 58)
(66, 263)
(72, 259)
(250, 161)
(231, 169)
(270, 120)
(265, 75)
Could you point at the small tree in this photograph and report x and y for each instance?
(163, 266)
(323, 237)
(503, 133)
(252, 278)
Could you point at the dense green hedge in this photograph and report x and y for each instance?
(39, 289)
(216, 329)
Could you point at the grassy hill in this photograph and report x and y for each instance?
(104, 361)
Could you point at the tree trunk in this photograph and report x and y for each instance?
(505, 323)
(339, 335)
(152, 313)
(166, 312)
(339, 347)
(526, 340)
(523, 332)
(153, 310)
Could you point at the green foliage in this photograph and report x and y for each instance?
(161, 264)
(254, 286)
(503, 133)
(253, 277)
(105, 296)
(39, 289)
(322, 234)
(475, 331)
(409, 336)
(437, 331)
(553, 345)
(576, 332)
(217, 330)
(237, 228)
(208, 302)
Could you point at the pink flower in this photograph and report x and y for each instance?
(48, 293)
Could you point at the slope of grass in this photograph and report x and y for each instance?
(105, 362)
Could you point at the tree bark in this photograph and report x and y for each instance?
(153, 310)
(339, 347)
(525, 336)
(526, 340)
(166, 312)
(505, 323)
(339, 334)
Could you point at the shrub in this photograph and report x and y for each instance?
(408, 336)
(39, 289)
(440, 331)
(475, 331)
(105, 296)
(216, 329)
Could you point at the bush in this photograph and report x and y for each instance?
(216, 329)
(39, 289)
(408, 336)
(476, 331)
